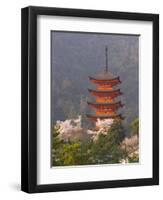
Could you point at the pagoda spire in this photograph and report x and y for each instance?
(106, 59)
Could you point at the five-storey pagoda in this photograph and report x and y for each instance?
(106, 91)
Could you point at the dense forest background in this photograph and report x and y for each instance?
(75, 56)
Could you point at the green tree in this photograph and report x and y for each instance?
(107, 148)
(72, 153)
(117, 132)
(57, 145)
(135, 126)
(69, 152)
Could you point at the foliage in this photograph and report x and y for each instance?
(135, 126)
(73, 153)
(57, 144)
(134, 159)
(68, 152)
(107, 149)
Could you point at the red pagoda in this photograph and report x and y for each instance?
(105, 105)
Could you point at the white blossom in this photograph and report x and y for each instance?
(104, 123)
(103, 127)
(69, 127)
(72, 127)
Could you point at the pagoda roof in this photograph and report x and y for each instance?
(104, 79)
(95, 117)
(104, 76)
(111, 82)
(115, 105)
(105, 92)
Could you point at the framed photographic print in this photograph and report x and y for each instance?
(90, 99)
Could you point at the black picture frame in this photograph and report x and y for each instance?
(29, 99)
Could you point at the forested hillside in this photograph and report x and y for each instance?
(75, 56)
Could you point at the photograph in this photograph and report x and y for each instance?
(90, 99)
(94, 98)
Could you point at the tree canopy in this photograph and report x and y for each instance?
(107, 149)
